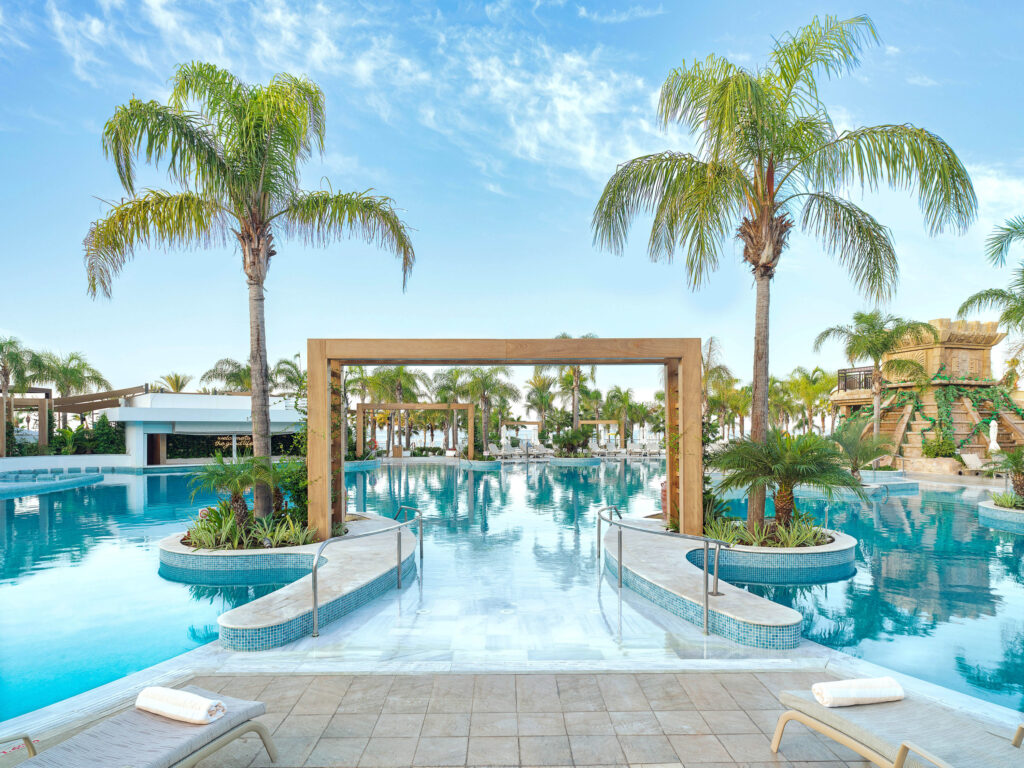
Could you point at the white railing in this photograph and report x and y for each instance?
(707, 546)
(397, 528)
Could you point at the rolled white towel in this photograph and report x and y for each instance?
(847, 693)
(179, 705)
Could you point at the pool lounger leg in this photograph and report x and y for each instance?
(238, 731)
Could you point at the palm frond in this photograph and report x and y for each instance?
(1005, 235)
(170, 219)
(860, 243)
(902, 369)
(321, 217)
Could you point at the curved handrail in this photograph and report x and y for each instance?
(707, 540)
(397, 527)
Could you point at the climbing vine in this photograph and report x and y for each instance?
(946, 396)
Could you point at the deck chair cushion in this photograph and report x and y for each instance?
(137, 739)
(958, 739)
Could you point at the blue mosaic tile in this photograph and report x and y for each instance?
(778, 568)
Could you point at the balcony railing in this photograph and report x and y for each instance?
(854, 378)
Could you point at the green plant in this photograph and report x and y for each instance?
(1008, 500)
(1011, 463)
(217, 527)
(65, 441)
(232, 478)
(572, 443)
(724, 529)
(859, 450)
(939, 448)
(780, 464)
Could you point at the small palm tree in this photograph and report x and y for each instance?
(15, 364)
(235, 376)
(779, 465)
(872, 336)
(234, 479)
(288, 376)
(713, 371)
(70, 374)
(486, 385)
(540, 396)
(234, 149)
(577, 374)
(859, 450)
(174, 382)
(1010, 463)
(768, 159)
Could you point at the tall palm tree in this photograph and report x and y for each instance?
(449, 386)
(540, 395)
(577, 374)
(235, 376)
(620, 405)
(769, 158)
(174, 382)
(713, 370)
(288, 377)
(70, 374)
(872, 336)
(15, 364)
(782, 406)
(236, 159)
(806, 386)
(740, 403)
(486, 385)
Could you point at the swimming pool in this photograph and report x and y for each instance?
(510, 574)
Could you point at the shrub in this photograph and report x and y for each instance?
(1008, 500)
(939, 448)
(572, 443)
(217, 527)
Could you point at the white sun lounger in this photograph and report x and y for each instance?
(143, 740)
(912, 733)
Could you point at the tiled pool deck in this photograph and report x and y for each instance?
(711, 720)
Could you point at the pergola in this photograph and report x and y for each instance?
(40, 404)
(362, 408)
(681, 359)
(609, 422)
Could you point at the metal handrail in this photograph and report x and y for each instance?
(705, 539)
(350, 537)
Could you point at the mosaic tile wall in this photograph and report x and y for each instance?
(777, 568)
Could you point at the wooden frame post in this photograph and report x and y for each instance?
(673, 494)
(691, 450)
(471, 433)
(337, 447)
(318, 459)
(44, 423)
(3, 427)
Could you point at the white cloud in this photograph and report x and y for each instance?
(80, 38)
(11, 31)
(891, 50)
(490, 186)
(922, 81)
(619, 17)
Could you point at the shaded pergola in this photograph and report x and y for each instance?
(621, 423)
(362, 408)
(680, 357)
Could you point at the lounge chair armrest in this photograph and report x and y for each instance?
(907, 747)
(1018, 737)
(24, 738)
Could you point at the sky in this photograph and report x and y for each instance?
(493, 126)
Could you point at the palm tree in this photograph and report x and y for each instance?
(540, 395)
(577, 376)
(781, 405)
(770, 158)
(1010, 463)
(874, 335)
(620, 405)
(713, 370)
(174, 382)
(486, 385)
(806, 386)
(780, 464)
(741, 401)
(859, 450)
(449, 387)
(70, 375)
(236, 376)
(287, 375)
(236, 159)
(235, 479)
(15, 364)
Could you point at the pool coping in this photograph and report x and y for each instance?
(350, 574)
(34, 488)
(995, 517)
(657, 567)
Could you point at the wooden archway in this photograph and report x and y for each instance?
(680, 357)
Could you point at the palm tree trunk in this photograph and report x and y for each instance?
(759, 407)
(876, 399)
(784, 503)
(485, 412)
(260, 392)
(575, 398)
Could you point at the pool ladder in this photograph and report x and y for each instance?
(397, 528)
(707, 547)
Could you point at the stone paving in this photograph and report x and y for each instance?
(710, 720)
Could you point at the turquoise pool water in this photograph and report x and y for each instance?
(936, 595)
(510, 574)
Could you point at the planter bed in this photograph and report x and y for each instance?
(776, 565)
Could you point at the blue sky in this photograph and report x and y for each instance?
(493, 126)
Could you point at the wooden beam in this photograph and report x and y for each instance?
(360, 430)
(691, 478)
(673, 494)
(337, 454)
(44, 423)
(470, 433)
(503, 351)
(111, 394)
(3, 426)
(417, 406)
(318, 460)
(85, 407)
(520, 423)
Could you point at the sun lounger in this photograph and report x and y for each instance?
(144, 740)
(912, 733)
(973, 462)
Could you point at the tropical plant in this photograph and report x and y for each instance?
(235, 376)
(287, 375)
(174, 382)
(15, 364)
(807, 387)
(577, 374)
(859, 450)
(70, 374)
(1010, 463)
(620, 405)
(769, 158)
(872, 336)
(572, 443)
(449, 386)
(1008, 500)
(714, 373)
(779, 465)
(234, 479)
(540, 395)
(235, 151)
(486, 385)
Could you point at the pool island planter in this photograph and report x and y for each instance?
(477, 464)
(350, 575)
(589, 461)
(1001, 518)
(742, 564)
